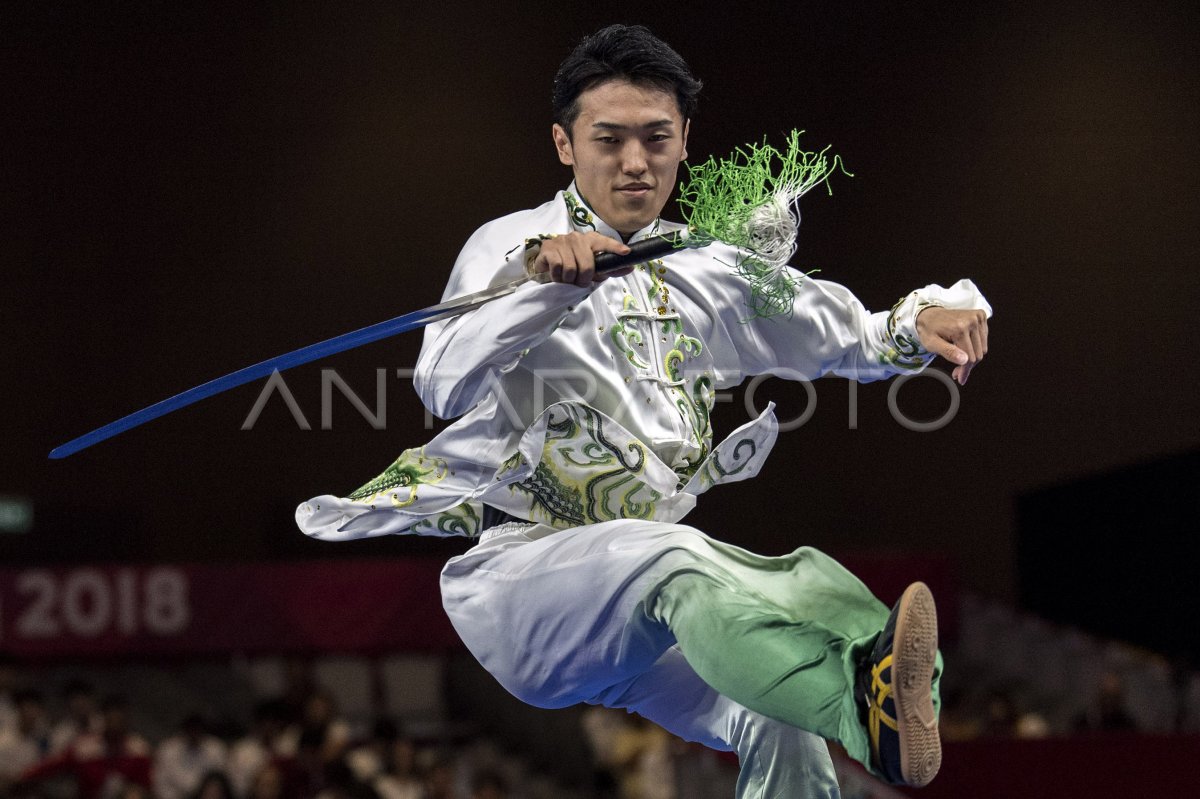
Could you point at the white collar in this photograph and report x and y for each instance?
(583, 218)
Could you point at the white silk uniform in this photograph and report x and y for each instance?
(586, 412)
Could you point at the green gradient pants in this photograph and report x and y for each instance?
(717, 645)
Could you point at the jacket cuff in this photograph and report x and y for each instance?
(901, 344)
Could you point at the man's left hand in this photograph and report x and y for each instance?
(958, 336)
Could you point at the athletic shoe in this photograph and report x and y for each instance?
(896, 685)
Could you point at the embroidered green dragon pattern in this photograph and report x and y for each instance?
(409, 471)
(583, 476)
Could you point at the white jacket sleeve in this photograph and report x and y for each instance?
(459, 353)
(831, 332)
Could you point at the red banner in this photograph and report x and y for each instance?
(344, 606)
(364, 606)
(1100, 766)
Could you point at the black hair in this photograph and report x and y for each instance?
(622, 52)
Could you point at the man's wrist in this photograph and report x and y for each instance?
(902, 342)
(922, 307)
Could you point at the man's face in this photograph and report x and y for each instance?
(625, 149)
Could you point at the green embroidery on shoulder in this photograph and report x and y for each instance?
(413, 468)
(580, 216)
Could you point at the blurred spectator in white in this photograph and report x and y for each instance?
(82, 715)
(214, 785)
(402, 780)
(340, 783)
(270, 739)
(25, 741)
(386, 762)
(1031, 725)
(103, 764)
(368, 759)
(183, 760)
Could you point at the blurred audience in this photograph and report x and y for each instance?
(214, 785)
(274, 761)
(387, 762)
(267, 783)
(271, 741)
(24, 741)
(402, 779)
(103, 764)
(184, 760)
(321, 723)
(300, 747)
(636, 753)
(83, 715)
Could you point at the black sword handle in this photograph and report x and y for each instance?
(641, 252)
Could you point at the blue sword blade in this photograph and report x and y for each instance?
(346, 341)
(639, 252)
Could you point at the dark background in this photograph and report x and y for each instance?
(190, 190)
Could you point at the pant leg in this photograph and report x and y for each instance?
(777, 761)
(560, 619)
(782, 636)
